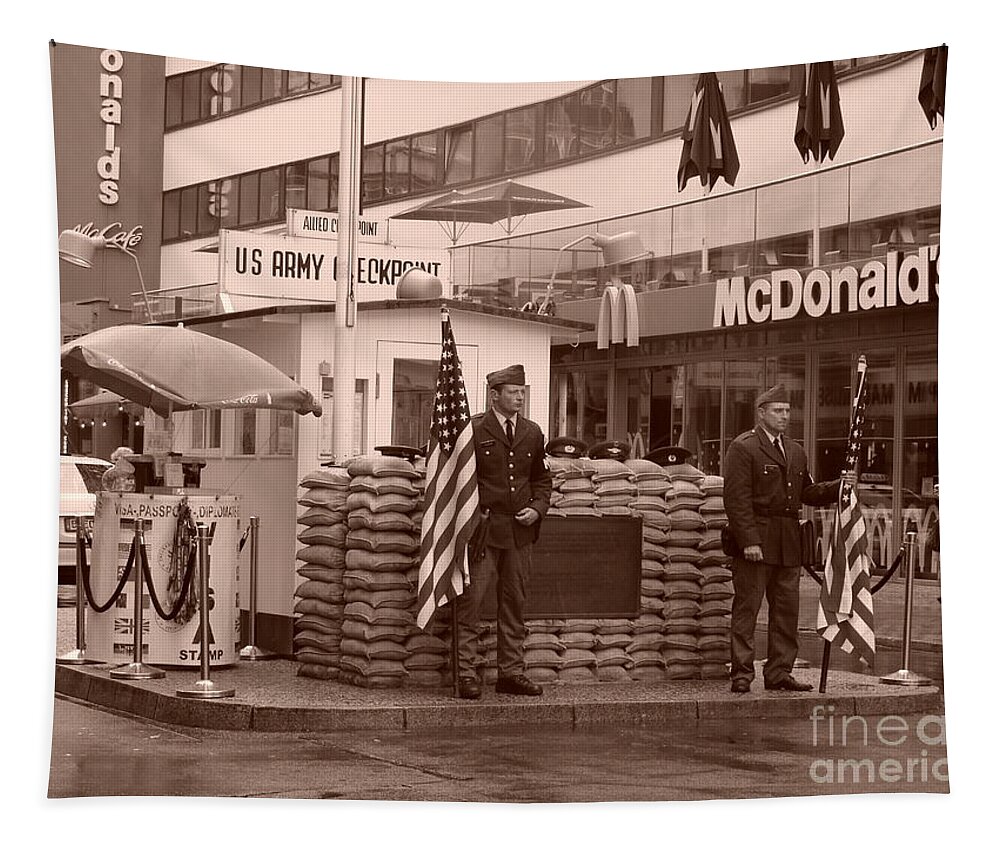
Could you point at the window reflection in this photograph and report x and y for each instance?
(397, 167)
(423, 162)
(597, 117)
(561, 123)
(489, 146)
(519, 139)
(371, 173)
(633, 109)
(458, 155)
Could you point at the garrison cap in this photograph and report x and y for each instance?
(509, 375)
(566, 447)
(777, 393)
(616, 450)
(666, 456)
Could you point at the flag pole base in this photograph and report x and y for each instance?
(205, 690)
(75, 657)
(250, 653)
(137, 671)
(902, 677)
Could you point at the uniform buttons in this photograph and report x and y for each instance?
(512, 478)
(512, 490)
(511, 466)
(511, 454)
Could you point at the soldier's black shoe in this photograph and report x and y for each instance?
(788, 684)
(518, 684)
(740, 686)
(468, 688)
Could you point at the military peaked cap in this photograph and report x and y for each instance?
(775, 394)
(616, 450)
(666, 456)
(509, 375)
(566, 447)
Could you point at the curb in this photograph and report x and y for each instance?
(228, 714)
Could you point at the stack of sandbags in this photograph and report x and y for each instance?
(383, 540)
(572, 487)
(614, 487)
(715, 621)
(543, 651)
(319, 606)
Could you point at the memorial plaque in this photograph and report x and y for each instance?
(583, 567)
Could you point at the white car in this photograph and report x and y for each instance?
(79, 481)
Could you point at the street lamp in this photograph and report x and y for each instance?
(79, 248)
(623, 247)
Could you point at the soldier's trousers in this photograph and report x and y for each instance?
(511, 569)
(752, 581)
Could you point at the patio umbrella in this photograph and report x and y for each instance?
(103, 404)
(504, 201)
(932, 80)
(819, 125)
(169, 368)
(709, 150)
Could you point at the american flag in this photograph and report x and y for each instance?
(846, 617)
(451, 499)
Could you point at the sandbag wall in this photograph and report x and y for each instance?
(355, 609)
(686, 589)
(359, 565)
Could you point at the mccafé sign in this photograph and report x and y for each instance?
(785, 294)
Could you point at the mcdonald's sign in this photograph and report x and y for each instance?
(618, 319)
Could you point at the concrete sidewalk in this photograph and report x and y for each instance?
(271, 697)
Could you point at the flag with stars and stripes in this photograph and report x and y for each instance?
(451, 497)
(819, 124)
(846, 617)
(709, 150)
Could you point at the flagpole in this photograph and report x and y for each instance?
(855, 401)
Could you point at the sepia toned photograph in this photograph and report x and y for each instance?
(498, 442)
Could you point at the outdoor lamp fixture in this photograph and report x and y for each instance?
(623, 247)
(79, 248)
(416, 284)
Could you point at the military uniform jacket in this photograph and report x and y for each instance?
(511, 477)
(763, 493)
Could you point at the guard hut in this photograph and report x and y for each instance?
(262, 455)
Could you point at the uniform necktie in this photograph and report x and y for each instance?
(777, 445)
(510, 432)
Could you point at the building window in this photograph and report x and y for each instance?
(397, 167)
(271, 207)
(245, 431)
(171, 215)
(561, 126)
(280, 429)
(458, 155)
(298, 81)
(206, 429)
(633, 109)
(174, 96)
(189, 211)
(372, 172)
(519, 138)
(424, 162)
(249, 185)
(318, 182)
(597, 118)
(413, 386)
(295, 186)
(488, 160)
(767, 83)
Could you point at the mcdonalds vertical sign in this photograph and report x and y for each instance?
(108, 108)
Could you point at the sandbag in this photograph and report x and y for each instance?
(322, 554)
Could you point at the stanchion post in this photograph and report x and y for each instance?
(136, 670)
(78, 656)
(204, 688)
(904, 676)
(252, 653)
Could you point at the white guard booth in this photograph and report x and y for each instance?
(176, 642)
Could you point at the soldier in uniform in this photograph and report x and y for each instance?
(766, 482)
(514, 486)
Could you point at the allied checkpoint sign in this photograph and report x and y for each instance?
(259, 268)
(177, 642)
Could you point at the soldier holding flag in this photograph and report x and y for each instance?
(766, 481)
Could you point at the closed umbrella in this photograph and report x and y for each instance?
(932, 80)
(173, 368)
(819, 125)
(709, 150)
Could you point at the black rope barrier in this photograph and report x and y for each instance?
(243, 540)
(888, 574)
(85, 572)
(185, 586)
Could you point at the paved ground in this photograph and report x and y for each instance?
(99, 753)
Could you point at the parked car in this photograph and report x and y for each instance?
(79, 481)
